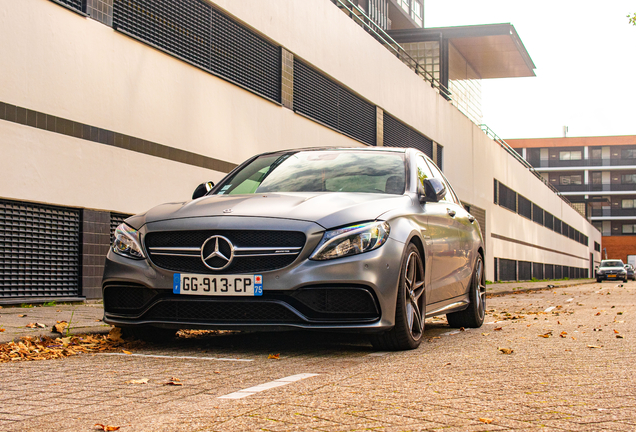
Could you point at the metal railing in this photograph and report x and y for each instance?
(591, 187)
(613, 212)
(359, 15)
(583, 163)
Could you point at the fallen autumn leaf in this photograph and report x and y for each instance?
(274, 356)
(486, 420)
(107, 428)
(138, 381)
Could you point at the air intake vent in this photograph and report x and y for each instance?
(195, 32)
(39, 250)
(397, 134)
(322, 99)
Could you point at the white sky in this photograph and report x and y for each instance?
(585, 57)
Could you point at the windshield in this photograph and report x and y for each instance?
(320, 171)
(612, 264)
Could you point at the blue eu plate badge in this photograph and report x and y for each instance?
(258, 285)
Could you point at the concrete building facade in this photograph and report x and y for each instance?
(109, 107)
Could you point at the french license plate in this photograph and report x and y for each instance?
(221, 285)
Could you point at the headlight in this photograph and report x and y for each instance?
(126, 242)
(351, 240)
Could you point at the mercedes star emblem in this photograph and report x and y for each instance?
(217, 252)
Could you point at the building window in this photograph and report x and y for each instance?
(597, 178)
(629, 229)
(596, 154)
(416, 12)
(570, 155)
(405, 4)
(570, 180)
(628, 153)
(628, 203)
(629, 179)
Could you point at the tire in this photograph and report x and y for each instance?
(148, 334)
(410, 310)
(473, 316)
(599, 280)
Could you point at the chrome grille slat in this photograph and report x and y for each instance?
(181, 250)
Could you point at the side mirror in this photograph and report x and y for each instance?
(202, 189)
(432, 190)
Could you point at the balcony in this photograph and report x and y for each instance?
(616, 212)
(584, 188)
(581, 163)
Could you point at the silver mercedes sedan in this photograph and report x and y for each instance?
(369, 240)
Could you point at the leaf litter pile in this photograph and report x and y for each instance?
(47, 348)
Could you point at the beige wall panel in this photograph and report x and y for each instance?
(46, 167)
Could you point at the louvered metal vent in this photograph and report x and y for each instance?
(537, 270)
(322, 99)
(525, 270)
(194, 31)
(397, 134)
(507, 198)
(525, 206)
(549, 220)
(39, 250)
(440, 157)
(244, 57)
(73, 4)
(537, 214)
(549, 271)
(507, 270)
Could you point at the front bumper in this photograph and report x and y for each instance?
(352, 293)
(610, 276)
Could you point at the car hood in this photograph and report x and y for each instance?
(328, 209)
(618, 268)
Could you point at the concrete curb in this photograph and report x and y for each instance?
(525, 290)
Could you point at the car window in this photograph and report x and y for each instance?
(320, 171)
(450, 194)
(612, 264)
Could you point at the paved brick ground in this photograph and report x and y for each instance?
(581, 381)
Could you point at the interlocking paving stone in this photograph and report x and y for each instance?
(448, 384)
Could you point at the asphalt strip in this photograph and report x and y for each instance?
(177, 357)
(270, 385)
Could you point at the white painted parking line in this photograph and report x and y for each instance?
(178, 357)
(270, 385)
(550, 309)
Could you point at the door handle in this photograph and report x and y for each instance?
(471, 218)
(451, 212)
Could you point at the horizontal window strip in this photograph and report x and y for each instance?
(75, 129)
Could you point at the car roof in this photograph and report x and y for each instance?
(303, 149)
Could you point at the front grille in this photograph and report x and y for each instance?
(126, 297)
(237, 312)
(239, 265)
(191, 262)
